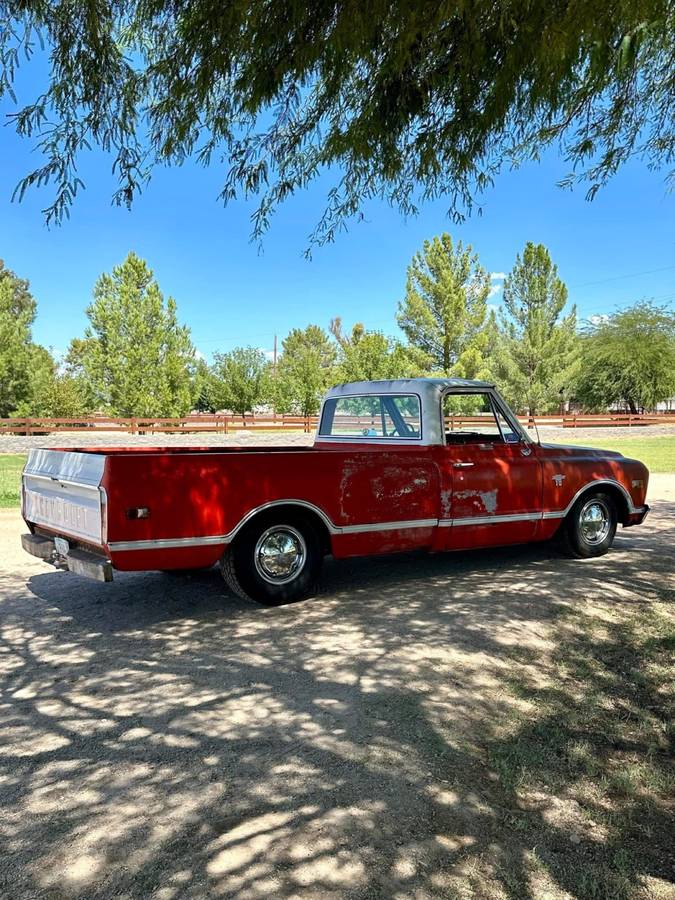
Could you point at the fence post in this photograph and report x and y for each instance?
(134, 427)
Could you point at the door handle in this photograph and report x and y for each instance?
(462, 465)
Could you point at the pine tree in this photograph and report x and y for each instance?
(445, 307)
(540, 348)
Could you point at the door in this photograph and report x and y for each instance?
(492, 475)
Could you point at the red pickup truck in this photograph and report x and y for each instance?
(437, 464)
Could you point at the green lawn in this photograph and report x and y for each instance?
(10, 480)
(657, 453)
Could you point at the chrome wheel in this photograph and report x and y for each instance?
(595, 521)
(280, 554)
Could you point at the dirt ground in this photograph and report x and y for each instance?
(161, 738)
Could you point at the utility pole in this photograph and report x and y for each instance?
(274, 378)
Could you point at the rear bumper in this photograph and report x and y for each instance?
(78, 561)
(638, 516)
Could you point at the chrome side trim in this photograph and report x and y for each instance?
(561, 513)
(168, 543)
(387, 526)
(211, 539)
(490, 520)
(333, 529)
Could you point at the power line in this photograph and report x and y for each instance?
(621, 277)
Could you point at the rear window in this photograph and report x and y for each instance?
(389, 416)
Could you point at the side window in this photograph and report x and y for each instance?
(471, 418)
(372, 416)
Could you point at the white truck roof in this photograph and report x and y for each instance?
(424, 386)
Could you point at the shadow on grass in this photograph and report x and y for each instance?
(599, 739)
(491, 725)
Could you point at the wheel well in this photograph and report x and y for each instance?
(615, 493)
(291, 512)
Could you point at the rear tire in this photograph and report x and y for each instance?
(274, 560)
(590, 526)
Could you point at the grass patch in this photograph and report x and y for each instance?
(11, 466)
(657, 453)
(594, 749)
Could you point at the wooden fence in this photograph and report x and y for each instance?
(210, 424)
(226, 424)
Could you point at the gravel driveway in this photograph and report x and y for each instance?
(160, 738)
(16, 443)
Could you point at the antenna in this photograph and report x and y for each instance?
(532, 423)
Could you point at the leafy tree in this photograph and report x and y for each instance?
(42, 370)
(17, 313)
(406, 100)
(443, 314)
(370, 355)
(203, 389)
(629, 358)
(539, 351)
(135, 357)
(305, 370)
(53, 393)
(240, 380)
(74, 368)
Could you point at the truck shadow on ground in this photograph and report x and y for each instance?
(427, 726)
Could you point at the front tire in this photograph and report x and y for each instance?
(590, 526)
(274, 560)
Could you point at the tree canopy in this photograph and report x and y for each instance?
(629, 357)
(405, 101)
(539, 349)
(17, 312)
(240, 380)
(135, 357)
(371, 355)
(444, 311)
(304, 371)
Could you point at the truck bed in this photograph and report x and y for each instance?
(179, 507)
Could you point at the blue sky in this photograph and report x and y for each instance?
(611, 252)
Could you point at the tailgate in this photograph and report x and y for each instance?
(62, 492)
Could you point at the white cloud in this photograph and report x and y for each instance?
(599, 319)
(497, 276)
(494, 289)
